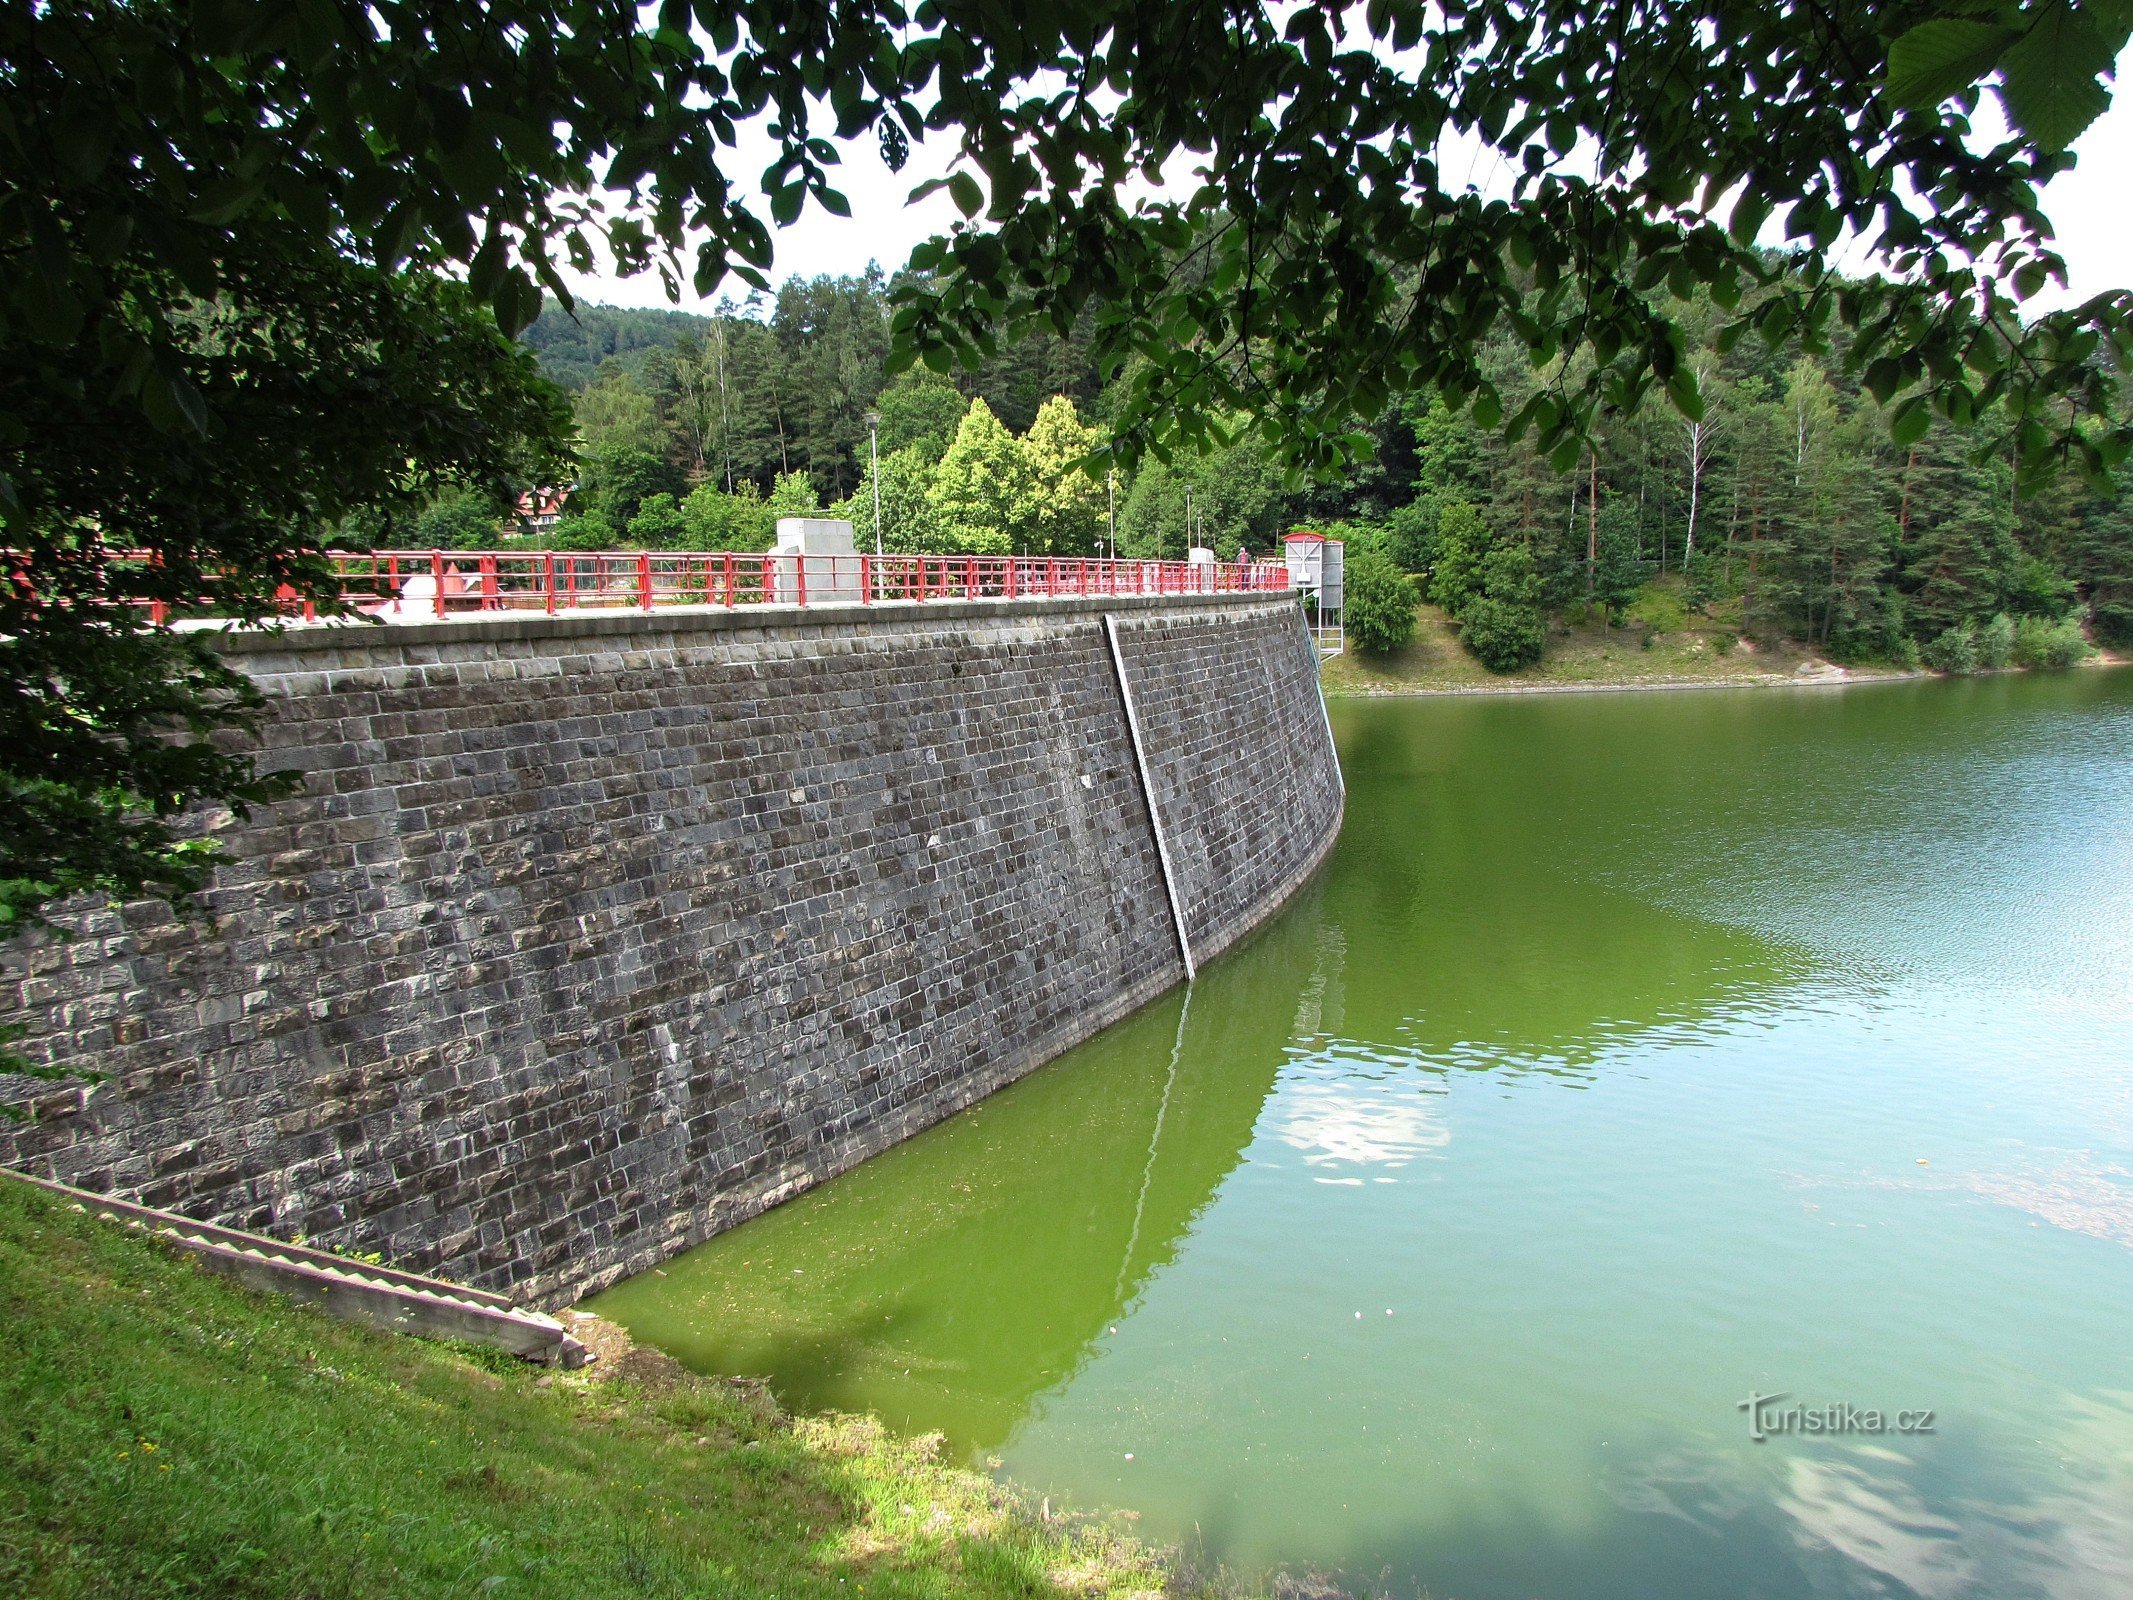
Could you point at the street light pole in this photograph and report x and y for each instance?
(874, 455)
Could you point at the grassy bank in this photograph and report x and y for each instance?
(168, 1434)
(1658, 647)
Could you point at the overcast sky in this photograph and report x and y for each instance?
(2092, 208)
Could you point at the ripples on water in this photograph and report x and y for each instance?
(1634, 1053)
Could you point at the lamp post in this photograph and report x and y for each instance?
(1111, 501)
(874, 455)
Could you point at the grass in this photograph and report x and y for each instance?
(165, 1433)
(1660, 643)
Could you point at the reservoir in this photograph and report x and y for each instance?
(1681, 1144)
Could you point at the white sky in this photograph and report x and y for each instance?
(2091, 206)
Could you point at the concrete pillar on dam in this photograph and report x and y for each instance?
(593, 934)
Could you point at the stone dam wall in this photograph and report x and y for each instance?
(592, 935)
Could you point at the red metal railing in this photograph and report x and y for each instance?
(415, 584)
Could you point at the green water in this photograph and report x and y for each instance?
(1633, 1053)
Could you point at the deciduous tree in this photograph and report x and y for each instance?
(980, 499)
(1067, 504)
(1379, 603)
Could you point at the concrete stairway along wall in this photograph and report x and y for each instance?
(592, 935)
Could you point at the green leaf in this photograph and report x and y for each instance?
(1941, 58)
(173, 402)
(487, 267)
(1682, 389)
(1909, 421)
(1749, 214)
(2051, 90)
(226, 200)
(964, 191)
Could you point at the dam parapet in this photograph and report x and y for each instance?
(594, 933)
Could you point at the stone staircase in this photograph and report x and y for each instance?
(355, 1291)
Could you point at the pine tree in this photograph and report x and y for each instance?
(2100, 560)
(1958, 551)
(920, 410)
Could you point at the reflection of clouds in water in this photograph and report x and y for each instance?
(2080, 1532)
(2072, 1541)
(1693, 1486)
(1379, 1124)
(1863, 1510)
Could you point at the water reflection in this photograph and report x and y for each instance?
(1630, 1055)
(1491, 934)
(1339, 1125)
(949, 1281)
(1862, 1510)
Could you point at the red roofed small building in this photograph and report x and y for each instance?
(539, 510)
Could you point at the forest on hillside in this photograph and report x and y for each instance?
(1787, 509)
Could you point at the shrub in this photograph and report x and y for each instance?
(1995, 642)
(583, 530)
(1380, 603)
(1952, 650)
(1503, 635)
(1411, 534)
(1508, 573)
(1874, 633)
(658, 524)
(714, 520)
(1705, 583)
(2054, 646)
(2111, 608)
(1462, 543)
(2036, 586)
(461, 519)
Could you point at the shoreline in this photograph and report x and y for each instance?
(1835, 678)
(1828, 680)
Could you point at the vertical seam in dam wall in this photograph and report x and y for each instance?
(1155, 816)
(590, 936)
(1228, 711)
